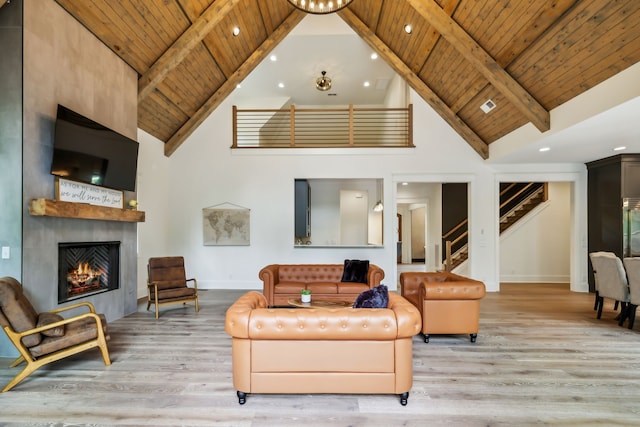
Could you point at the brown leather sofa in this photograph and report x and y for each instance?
(284, 281)
(448, 303)
(341, 350)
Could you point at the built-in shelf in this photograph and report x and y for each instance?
(55, 208)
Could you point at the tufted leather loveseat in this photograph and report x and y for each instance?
(448, 303)
(341, 350)
(284, 281)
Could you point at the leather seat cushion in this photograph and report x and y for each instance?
(352, 288)
(77, 332)
(173, 293)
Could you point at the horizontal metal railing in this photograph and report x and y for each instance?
(320, 128)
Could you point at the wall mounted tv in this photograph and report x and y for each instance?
(86, 151)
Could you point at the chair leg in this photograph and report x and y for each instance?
(595, 303)
(28, 370)
(197, 308)
(16, 362)
(615, 305)
(632, 314)
(473, 337)
(624, 313)
(600, 304)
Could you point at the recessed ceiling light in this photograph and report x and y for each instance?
(405, 183)
(366, 84)
(543, 149)
(280, 85)
(238, 86)
(273, 58)
(622, 147)
(374, 55)
(236, 31)
(408, 28)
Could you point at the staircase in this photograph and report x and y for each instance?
(516, 201)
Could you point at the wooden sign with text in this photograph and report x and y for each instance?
(79, 192)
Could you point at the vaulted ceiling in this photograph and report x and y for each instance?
(526, 56)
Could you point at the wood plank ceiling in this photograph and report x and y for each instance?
(527, 56)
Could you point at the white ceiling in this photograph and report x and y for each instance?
(325, 43)
(318, 43)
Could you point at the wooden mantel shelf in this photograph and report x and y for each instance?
(46, 207)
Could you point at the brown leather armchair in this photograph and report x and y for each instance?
(46, 337)
(448, 303)
(167, 283)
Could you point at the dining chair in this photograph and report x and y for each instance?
(611, 281)
(632, 267)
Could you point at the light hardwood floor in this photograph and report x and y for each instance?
(542, 358)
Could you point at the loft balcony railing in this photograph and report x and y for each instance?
(323, 128)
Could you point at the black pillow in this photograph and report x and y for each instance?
(355, 271)
(377, 297)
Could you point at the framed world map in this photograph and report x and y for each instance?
(228, 226)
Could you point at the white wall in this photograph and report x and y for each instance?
(537, 248)
(204, 171)
(153, 198)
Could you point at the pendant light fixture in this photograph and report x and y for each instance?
(320, 7)
(323, 83)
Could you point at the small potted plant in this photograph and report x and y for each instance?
(305, 295)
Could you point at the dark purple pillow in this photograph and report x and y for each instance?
(377, 297)
(355, 271)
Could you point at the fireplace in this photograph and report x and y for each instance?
(87, 268)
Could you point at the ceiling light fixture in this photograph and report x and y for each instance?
(408, 28)
(323, 83)
(320, 7)
(236, 31)
(622, 147)
(544, 149)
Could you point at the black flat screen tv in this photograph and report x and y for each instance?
(86, 151)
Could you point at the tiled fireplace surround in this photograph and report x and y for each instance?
(40, 261)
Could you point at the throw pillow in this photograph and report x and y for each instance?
(377, 297)
(47, 319)
(355, 271)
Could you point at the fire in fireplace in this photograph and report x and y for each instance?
(87, 268)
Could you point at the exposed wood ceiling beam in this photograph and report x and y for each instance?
(416, 83)
(240, 74)
(483, 62)
(173, 56)
(3, 2)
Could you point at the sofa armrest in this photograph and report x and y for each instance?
(408, 317)
(269, 277)
(375, 275)
(237, 318)
(461, 290)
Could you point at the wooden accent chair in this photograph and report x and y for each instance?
(42, 338)
(167, 283)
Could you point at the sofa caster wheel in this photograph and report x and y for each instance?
(426, 338)
(403, 398)
(474, 337)
(242, 397)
